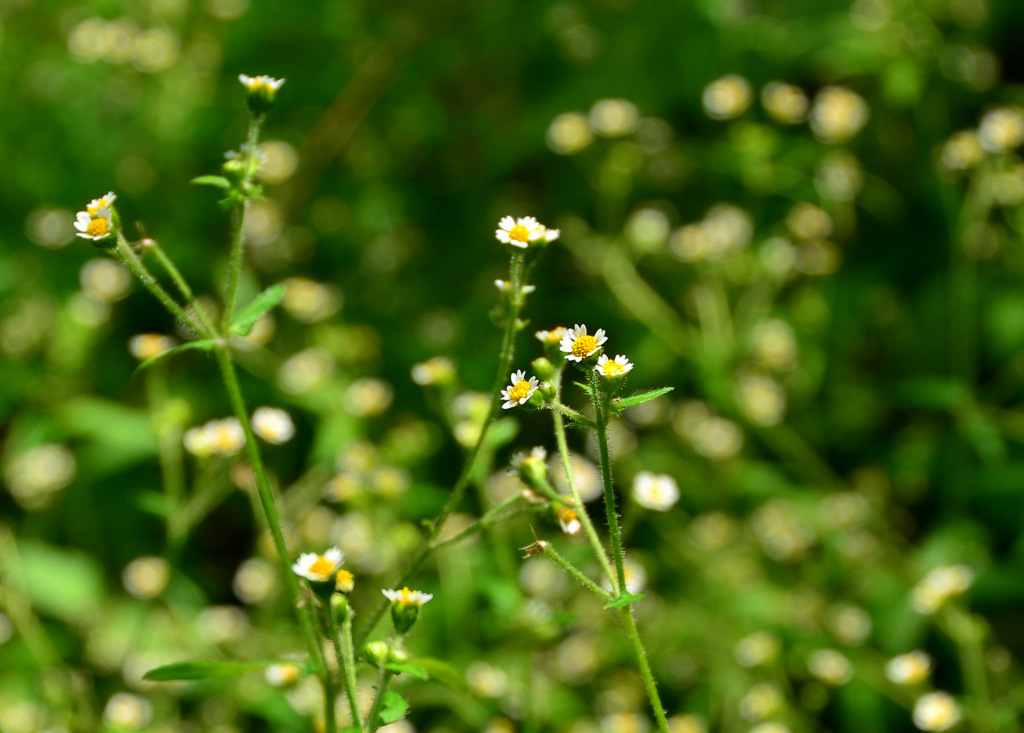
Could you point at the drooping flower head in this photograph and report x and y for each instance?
(319, 568)
(578, 344)
(519, 391)
(520, 232)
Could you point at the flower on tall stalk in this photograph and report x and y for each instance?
(262, 90)
(318, 568)
(520, 232)
(97, 221)
(519, 391)
(405, 607)
(578, 345)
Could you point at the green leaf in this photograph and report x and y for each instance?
(413, 670)
(395, 706)
(442, 672)
(218, 181)
(201, 345)
(243, 320)
(203, 670)
(623, 599)
(639, 399)
(62, 582)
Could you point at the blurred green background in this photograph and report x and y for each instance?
(827, 273)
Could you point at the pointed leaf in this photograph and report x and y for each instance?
(202, 345)
(395, 707)
(218, 181)
(202, 670)
(244, 319)
(413, 670)
(639, 399)
(442, 672)
(623, 599)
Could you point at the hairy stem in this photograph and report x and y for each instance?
(601, 413)
(238, 221)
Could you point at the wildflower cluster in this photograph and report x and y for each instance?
(97, 222)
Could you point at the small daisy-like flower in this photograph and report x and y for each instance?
(94, 226)
(406, 597)
(578, 344)
(318, 568)
(519, 391)
(504, 286)
(909, 668)
(280, 675)
(613, 367)
(655, 491)
(217, 437)
(550, 337)
(936, 711)
(568, 520)
(520, 232)
(260, 83)
(273, 425)
(103, 202)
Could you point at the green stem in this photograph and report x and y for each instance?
(124, 252)
(629, 624)
(348, 666)
(508, 340)
(490, 517)
(168, 439)
(238, 221)
(234, 391)
(183, 287)
(551, 552)
(601, 413)
(373, 717)
(581, 510)
(968, 633)
(576, 417)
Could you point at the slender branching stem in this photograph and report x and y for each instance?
(266, 497)
(183, 287)
(349, 671)
(629, 624)
(601, 414)
(124, 252)
(493, 515)
(373, 717)
(578, 507)
(238, 221)
(516, 266)
(575, 572)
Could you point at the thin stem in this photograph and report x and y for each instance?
(349, 671)
(168, 437)
(489, 518)
(581, 510)
(629, 624)
(968, 634)
(373, 717)
(124, 252)
(183, 287)
(570, 413)
(508, 341)
(575, 572)
(313, 646)
(601, 413)
(238, 221)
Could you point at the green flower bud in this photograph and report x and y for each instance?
(377, 653)
(405, 607)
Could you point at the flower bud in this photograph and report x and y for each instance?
(405, 607)
(543, 368)
(340, 608)
(376, 653)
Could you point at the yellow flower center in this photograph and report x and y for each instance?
(344, 581)
(520, 390)
(585, 345)
(556, 335)
(98, 228)
(519, 233)
(321, 566)
(611, 368)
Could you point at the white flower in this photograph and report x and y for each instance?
(906, 669)
(578, 344)
(273, 425)
(520, 232)
(406, 597)
(504, 286)
(939, 585)
(568, 520)
(830, 666)
(94, 226)
(280, 675)
(550, 337)
(936, 711)
(1001, 129)
(838, 114)
(519, 391)
(217, 437)
(655, 491)
(103, 202)
(727, 97)
(147, 345)
(261, 82)
(613, 367)
(318, 568)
